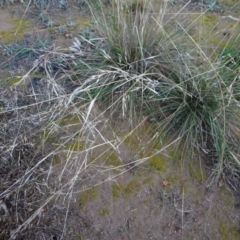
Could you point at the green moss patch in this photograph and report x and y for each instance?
(131, 141)
(209, 19)
(16, 32)
(117, 190)
(147, 181)
(75, 145)
(158, 163)
(228, 233)
(113, 160)
(131, 189)
(229, 2)
(104, 212)
(14, 80)
(56, 160)
(87, 196)
(69, 120)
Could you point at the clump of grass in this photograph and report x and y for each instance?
(230, 61)
(200, 107)
(154, 72)
(131, 32)
(136, 49)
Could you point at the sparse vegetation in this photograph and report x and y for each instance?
(137, 64)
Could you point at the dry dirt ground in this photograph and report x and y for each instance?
(137, 190)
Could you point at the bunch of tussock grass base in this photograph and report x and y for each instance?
(154, 72)
(131, 32)
(137, 48)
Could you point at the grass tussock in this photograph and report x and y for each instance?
(189, 94)
(131, 31)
